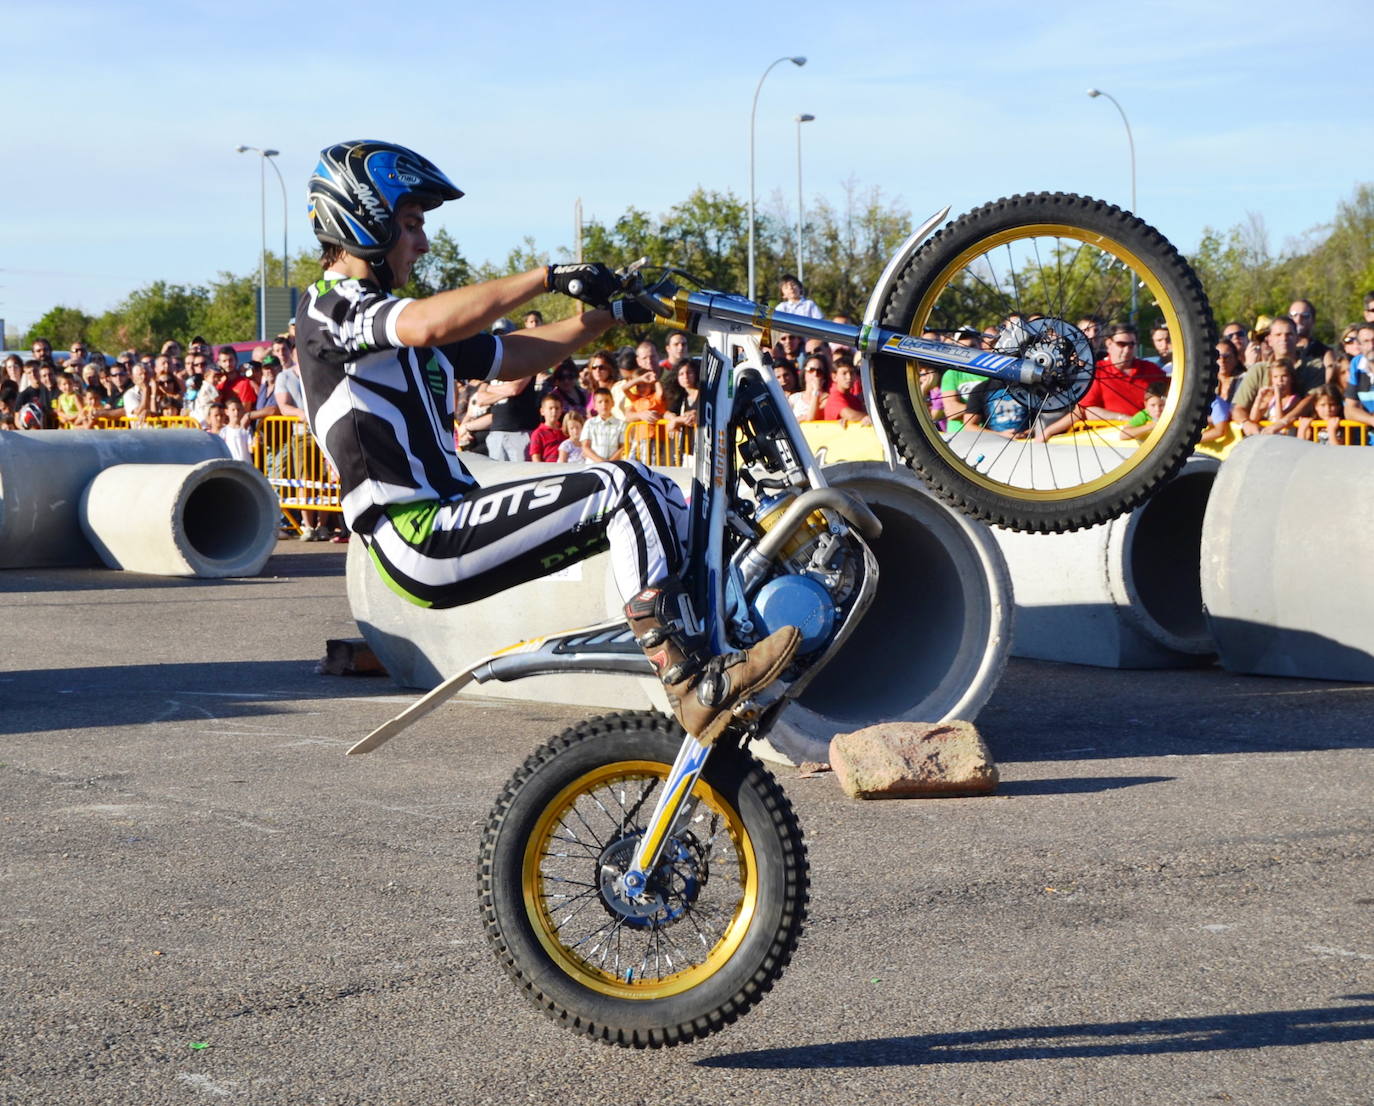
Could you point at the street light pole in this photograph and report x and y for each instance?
(262, 260)
(1130, 142)
(803, 118)
(753, 111)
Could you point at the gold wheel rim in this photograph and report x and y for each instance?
(1142, 272)
(542, 897)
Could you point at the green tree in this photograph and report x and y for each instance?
(62, 326)
(231, 309)
(151, 315)
(849, 247)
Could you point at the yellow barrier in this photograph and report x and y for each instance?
(285, 452)
(117, 420)
(652, 444)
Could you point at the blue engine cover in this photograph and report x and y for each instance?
(796, 601)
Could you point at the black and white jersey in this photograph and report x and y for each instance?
(382, 412)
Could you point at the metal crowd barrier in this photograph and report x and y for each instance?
(654, 444)
(285, 452)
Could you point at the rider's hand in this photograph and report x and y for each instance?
(631, 313)
(592, 283)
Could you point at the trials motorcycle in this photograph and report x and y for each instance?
(645, 889)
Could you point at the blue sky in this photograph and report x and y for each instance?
(121, 167)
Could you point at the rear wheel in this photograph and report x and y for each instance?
(1034, 268)
(722, 913)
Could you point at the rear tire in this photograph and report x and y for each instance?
(1061, 257)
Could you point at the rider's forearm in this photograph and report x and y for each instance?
(462, 312)
(524, 352)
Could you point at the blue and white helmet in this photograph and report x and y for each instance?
(357, 186)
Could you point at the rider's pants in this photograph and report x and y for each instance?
(442, 554)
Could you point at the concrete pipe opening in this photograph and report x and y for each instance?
(1123, 594)
(224, 516)
(933, 645)
(1161, 561)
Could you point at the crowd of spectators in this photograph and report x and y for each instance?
(1276, 377)
(639, 402)
(85, 389)
(195, 384)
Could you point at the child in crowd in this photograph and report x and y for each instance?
(90, 410)
(994, 406)
(935, 399)
(570, 448)
(642, 409)
(215, 419)
(548, 435)
(1324, 427)
(845, 403)
(603, 435)
(1278, 402)
(66, 405)
(234, 432)
(1143, 422)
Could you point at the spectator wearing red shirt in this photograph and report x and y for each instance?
(845, 403)
(548, 435)
(1118, 389)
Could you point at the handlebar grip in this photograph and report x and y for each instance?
(575, 287)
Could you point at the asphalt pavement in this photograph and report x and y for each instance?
(1169, 899)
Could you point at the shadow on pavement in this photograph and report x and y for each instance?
(315, 560)
(40, 700)
(1068, 786)
(1271, 1029)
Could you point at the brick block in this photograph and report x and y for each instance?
(912, 760)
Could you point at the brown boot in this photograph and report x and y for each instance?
(703, 690)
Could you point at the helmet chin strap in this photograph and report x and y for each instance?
(382, 271)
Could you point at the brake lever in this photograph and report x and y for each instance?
(632, 286)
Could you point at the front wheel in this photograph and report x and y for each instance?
(1044, 277)
(723, 911)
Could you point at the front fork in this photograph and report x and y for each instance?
(686, 770)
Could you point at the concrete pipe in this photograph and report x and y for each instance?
(1125, 594)
(42, 476)
(931, 648)
(933, 645)
(421, 648)
(1285, 547)
(213, 520)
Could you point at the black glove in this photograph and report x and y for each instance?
(594, 283)
(631, 313)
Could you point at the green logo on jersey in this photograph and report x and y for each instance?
(438, 382)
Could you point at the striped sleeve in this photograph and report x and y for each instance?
(356, 318)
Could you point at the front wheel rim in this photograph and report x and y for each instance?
(583, 935)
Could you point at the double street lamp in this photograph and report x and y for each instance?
(266, 156)
(752, 113)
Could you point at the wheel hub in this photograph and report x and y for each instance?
(672, 887)
(1061, 350)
